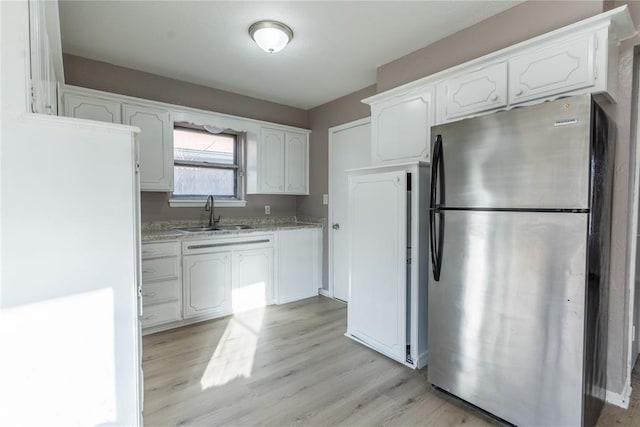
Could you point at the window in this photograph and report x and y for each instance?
(206, 163)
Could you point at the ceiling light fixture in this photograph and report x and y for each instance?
(270, 36)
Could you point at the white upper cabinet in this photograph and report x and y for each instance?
(91, 108)
(156, 146)
(553, 69)
(477, 91)
(296, 163)
(271, 160)
(577, 59)
(401, 128)
(278, 162)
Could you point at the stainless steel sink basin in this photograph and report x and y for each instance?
(196, 229)
(214, 228)
(234, 227)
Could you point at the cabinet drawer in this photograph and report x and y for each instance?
(161, 313)
(158, 250)
(553, 70)
(160, 269)
(474, 92)
(157, 292)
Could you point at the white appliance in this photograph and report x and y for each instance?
(69, 239)
(387, 257)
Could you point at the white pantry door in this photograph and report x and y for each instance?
(349, 148)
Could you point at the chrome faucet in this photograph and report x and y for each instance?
(208, 207)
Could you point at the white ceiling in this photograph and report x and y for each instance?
(336, 48)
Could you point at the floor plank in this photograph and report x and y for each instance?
(292, 365)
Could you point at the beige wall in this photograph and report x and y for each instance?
(321, 118)
(125, 81)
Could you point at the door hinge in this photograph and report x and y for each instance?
(409, 260)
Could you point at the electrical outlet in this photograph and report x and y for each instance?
(325, 199)
(267, 210)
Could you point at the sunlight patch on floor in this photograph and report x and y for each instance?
(249, 296)
(233, 357)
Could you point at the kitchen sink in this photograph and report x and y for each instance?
(214, 228)
(234, 227)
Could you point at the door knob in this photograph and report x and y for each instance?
(336, 226)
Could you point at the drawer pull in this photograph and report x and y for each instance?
(219, 245)
(494, 98)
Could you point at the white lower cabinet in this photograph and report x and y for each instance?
(161, 284)
(253, 274)
(299, 264)
(160, 314)
(199, 279)
(207, 284)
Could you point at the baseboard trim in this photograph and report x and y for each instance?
(620, 399)
(324, 292)
(423, 359)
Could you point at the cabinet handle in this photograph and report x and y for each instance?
(519, 92)
(494, 98)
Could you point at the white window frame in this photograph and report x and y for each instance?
(200, 201)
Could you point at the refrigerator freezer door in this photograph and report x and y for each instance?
(530, 158)
(506, 317)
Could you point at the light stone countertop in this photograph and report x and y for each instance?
(152, 232)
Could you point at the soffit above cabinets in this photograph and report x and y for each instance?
(336, 47)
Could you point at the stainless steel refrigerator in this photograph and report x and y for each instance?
(520, 235)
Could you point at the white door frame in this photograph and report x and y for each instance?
(634, 195)
(332, 131)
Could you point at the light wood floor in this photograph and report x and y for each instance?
(291, 364)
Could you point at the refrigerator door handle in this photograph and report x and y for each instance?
(436, 262)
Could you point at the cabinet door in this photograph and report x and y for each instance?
(296, 163)
(271, 161)
(299, 266)
(207, 284)
(470, 93)
(553, 70)
(400, 128)
(84, 107)
(377, 261)
(156, 146)
(253, 279)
